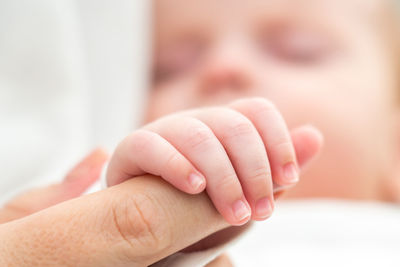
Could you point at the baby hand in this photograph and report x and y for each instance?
(237, 152)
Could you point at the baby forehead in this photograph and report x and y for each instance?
(168, 9)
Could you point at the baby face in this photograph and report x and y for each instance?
(321, 62)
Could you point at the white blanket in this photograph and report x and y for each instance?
(323, 233)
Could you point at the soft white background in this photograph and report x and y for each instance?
(72, 74)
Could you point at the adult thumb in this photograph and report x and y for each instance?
(135, 223)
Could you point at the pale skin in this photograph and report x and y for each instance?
(53, 226)
(135, 223)
(350, 96)
(238, 152)
(312, 65)
(327, 63)
(203, 60)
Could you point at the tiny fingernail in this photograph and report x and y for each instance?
(279, 188)
(264, 208)
(196, 181)
(240, 210)
(290, 173)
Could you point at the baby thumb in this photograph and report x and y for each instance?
(307, 141)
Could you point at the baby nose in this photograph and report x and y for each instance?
(226, 72)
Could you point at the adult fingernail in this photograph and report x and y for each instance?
(196, 181)
(264, 208)
(240, 210)
(290, 173)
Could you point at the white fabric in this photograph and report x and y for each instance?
(323, 233)
(317, 233)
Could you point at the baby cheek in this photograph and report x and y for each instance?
(163, 100)
(177, 94)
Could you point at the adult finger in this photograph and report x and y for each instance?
(74, 184)
(135, 223)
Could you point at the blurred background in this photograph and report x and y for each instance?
(60, 65)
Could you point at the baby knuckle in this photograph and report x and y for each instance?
(285, 149)
(238, 127)
(140, 222)
(227, 182)
(140, 140)
(259, 174)
(199, 136)
(282, 144)
(173, 161)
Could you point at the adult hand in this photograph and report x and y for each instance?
(133, 224)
